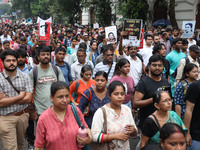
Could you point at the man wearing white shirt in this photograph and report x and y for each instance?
(146, 52)
(136, 64)
(5, 36)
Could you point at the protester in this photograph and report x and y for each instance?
(193, 57)
(60, 117)
(94, 53)
(64, 66)
(147, 86)
(152, 125)
(122, 69)
(76, 67)
(94, 97)
(136, 62)
(120, 123)
(172, 137)
(72, 49)
(80, 85)
(190, 74)
(160, 49)
(107, 65)
(146, 52)
(174, 58)
(192, 113)
(42, 79)
(15, 94)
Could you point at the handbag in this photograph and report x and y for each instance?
(106, 145)
(75, 94)
(31, 107)
(87, 147)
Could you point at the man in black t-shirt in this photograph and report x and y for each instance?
(192, 115)
(147, 87)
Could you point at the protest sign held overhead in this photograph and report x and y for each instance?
(111, 34)
(44, 28)
(188, 29)
(133, 27)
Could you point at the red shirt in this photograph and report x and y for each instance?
(56, 135)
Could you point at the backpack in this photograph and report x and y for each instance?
(187, 61)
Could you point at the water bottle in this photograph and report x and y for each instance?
(82, 133)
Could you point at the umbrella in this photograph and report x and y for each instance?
(162, 22)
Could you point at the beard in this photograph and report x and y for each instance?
(44, 61)
(21, 63)
(10, 70)
(155, 74)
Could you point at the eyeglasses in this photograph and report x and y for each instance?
(195, 71)
(109, 54)
(167, 100)
(155, 65)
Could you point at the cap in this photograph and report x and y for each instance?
(194, 48)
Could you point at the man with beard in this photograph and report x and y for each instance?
(15, 94)
(156, 39)
(21, 61)
(174, 58)
(143, 97)
(165, 41)
(46, 75)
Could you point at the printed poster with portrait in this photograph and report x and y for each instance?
(188, 29)
(44, 28)
(133, 27)
(111, 34)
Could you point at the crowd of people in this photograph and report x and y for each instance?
(77, 80)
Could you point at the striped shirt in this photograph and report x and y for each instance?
(21, 82)
(102, 66)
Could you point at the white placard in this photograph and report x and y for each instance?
(111, 34)
(188, 29)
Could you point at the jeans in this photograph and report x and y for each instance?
(195, 145)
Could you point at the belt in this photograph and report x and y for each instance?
(19, 113)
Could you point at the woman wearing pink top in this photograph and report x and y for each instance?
(57, 128)
(122, 69)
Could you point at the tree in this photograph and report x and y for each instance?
(4, 8)
(171, 13)
(134, 9)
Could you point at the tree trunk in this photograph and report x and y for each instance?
(172, 13)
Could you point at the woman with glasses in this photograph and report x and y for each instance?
(190, 74)
(152, 125)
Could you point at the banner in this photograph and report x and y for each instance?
(188, 29)
(111, 34)
(44, 28)
(133, 27)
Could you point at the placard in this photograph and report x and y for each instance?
(111, 34)
(44, 29)
(188, 29)
(133, 27)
